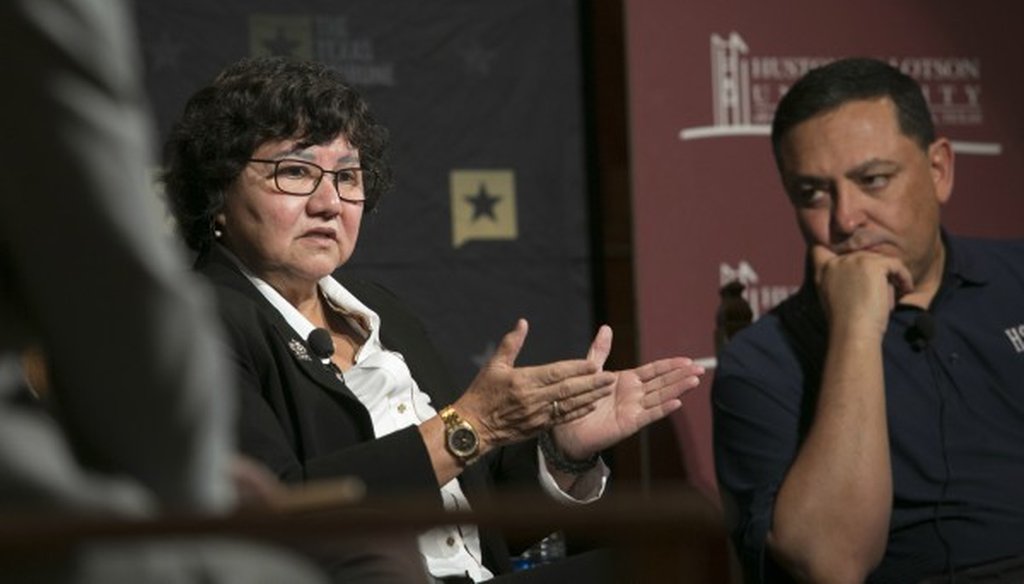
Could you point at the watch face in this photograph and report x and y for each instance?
(463, 442)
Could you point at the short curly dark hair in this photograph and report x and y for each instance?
(254, 101)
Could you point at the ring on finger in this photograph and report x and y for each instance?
(556, 411)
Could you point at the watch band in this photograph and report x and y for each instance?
(461, 438)
(450, 417)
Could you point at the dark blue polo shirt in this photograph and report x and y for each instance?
(955, 406)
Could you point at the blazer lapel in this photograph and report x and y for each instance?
(302, 355)
(219, 268)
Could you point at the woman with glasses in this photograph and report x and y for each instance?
(269, 172)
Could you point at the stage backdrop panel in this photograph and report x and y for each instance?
(488, 219)
(704, 79)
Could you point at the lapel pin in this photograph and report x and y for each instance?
(299, 350)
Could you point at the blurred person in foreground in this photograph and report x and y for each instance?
(269, 171)
(139, 388)
(872, 426)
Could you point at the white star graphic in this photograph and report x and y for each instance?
(483, 357)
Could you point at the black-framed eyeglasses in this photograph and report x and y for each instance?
(300, 177)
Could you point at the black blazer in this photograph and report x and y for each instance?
(304, 424)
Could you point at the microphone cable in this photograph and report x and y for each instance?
(920, 335)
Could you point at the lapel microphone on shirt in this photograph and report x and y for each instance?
(921, 332)
(320, 342)
(323, 347)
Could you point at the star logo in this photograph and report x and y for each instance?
(481, 359)
(483, 205)
(285, 36)
(280, 45)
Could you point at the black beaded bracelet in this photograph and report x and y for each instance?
(558, 460)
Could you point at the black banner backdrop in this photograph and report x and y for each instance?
(488, 219)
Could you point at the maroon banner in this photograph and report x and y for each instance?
(704, 79)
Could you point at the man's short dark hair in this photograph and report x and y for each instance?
(830, 86)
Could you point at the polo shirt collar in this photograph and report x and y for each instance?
(962, 267)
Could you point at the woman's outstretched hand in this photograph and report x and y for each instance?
(637, 397)
(508, 404)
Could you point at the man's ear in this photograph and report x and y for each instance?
(940, 162)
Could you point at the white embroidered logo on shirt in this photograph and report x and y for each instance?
(1016, 336)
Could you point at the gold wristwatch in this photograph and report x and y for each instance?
(460, 436)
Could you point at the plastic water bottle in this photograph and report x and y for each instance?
(550, 549)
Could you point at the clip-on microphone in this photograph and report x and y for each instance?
(323, 347)
(320, 342)
(921, 332)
